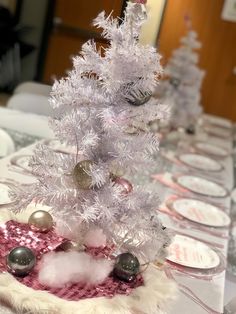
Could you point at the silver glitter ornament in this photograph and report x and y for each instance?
(135, 95)
(190, 129)
(20, 261)
(41, 221)
(81, 174)
(175, 82)
(139, 98)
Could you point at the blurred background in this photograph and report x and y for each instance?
(38, 39)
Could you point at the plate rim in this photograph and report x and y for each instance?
(214, 120)
(198, 222)
(211, 132)
(176, 177)
(14, 159)
(57, 150)
(197, 154)
(201, 243)
(9, 183)
(227, 152)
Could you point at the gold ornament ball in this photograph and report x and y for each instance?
(41, 221)
(116, 170)
(81, 174)
(68, 245)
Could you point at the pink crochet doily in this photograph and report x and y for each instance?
(14, 234)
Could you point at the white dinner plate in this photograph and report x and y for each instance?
(7, 145)
(211, 149)
(22, 162)
(59, 147)
(4, 194)
(219, 121)
(201, 212)
(233, 195)
(218, 131)
(201, 186)
(189, 252)
(200, 162)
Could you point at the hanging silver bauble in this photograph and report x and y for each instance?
(175, 82)
(138, 98)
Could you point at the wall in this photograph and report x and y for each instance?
(218, 53)
(150, 29)
(10, 4)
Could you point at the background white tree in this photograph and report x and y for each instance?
(181, 86)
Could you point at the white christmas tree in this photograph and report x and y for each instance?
(93, 108)
(181, 86)
(102, 232)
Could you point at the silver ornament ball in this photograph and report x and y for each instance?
(139, 98)
(20, 261)
(175, 82)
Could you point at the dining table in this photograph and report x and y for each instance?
(31, 124)
(200, 290)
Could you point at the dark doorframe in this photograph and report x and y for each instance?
(123, 8)
(48, 25)
(17, 13)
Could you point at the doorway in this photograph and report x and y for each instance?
(72, 26)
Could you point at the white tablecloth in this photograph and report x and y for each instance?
(210, 292)
(29, 123)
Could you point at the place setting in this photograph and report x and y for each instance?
(7, 145)
(59, 147)
(218, 131)
(193, 254)
(190, 257)
(195, 214)
(7, 195)
(190, 185)
(201, 212)
(211, 149)
(20, 164)
(200, 162)
(196, 258)
(217, 121)
(195, 163)
(200, 186)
